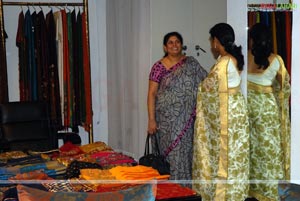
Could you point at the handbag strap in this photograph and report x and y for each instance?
(147, 145)
(146, 152)
(182, 133)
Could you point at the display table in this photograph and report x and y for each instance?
(84, 171)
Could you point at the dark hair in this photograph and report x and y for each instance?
(262, 44)
(225, 34)
(169, 35)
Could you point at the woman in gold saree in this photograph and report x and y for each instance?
(268, 105)
(221, 141)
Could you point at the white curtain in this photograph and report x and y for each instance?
(128, 65)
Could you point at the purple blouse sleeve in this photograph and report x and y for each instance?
(157, 72)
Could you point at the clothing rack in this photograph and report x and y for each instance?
(84, 4)
(272, 7)
(6, 3)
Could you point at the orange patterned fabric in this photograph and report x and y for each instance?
(138, 172)
(32, 175)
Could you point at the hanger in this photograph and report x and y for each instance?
(66, 7)
(33, 7)
(22, 9)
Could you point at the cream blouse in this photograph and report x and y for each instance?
(267, 77)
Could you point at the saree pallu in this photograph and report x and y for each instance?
(175, 102)
(270, 136)
(221, 140)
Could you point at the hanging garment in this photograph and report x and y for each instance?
(29, 37)
(250, 18)
(42, 56)
(288, 40)
(66, 67)
(60, 60)
(75, 33)
(20, 43)
(274, 33)
(81, 98)
(3, 68)
(281, 37)
(54, 93)
(71, 69)
(87, 75)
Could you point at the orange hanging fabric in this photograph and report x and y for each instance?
(274, 33)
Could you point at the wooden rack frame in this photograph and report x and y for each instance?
(28, 3)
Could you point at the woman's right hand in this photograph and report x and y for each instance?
(152, 127)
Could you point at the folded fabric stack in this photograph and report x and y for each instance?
(138, 172)
(120, 177)
(108, 159)
(97, 152)
(31, 163)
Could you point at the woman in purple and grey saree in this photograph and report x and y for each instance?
(173, 84)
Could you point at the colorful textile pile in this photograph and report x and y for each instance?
(94, 171)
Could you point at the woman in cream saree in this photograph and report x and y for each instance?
(268, 106)
(221, 141)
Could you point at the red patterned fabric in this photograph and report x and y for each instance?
(172, 190)
(69, 149)
(112, 158)
(87, 76)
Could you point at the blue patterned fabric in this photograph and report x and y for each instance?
(289, 192)
(143, 192)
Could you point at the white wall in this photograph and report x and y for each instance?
(239, 25)
(97, 20)
(295, 106)
(191, 18)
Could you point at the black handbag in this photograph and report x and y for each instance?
(154, 159)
